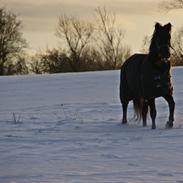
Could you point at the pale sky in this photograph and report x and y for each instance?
(136, 17)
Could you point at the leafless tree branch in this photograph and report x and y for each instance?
(76, 33)
(171, 4)
(111, 38)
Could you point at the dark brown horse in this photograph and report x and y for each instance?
(145, 77)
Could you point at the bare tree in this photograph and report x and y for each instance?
(76, 35)
(145, 44)
(171, 4)
(18, 67)
(111, 38)
(36, 65)
(11, 40)
(177, 45)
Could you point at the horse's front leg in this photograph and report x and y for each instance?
(171, 104)
(152, 112)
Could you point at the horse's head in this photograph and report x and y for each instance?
(160, 44)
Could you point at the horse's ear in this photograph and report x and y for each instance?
(168, 26)
(157, 26)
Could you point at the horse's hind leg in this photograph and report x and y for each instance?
(171, 104)
(144, 113)
(152, 112)
(124, 110)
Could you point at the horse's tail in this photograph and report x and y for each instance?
(138, 107)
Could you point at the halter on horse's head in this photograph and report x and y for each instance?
(160, 43)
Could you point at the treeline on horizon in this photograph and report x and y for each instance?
(84, 46)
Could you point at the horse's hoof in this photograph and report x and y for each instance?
(169, 124)
(124, 122)
(153, 127)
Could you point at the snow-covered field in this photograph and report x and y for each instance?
(65, 128)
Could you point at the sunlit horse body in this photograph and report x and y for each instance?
(145, 77)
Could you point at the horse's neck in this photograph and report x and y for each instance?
(152, 57)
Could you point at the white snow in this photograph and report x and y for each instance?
(65, 128)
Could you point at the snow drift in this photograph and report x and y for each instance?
(66, 128)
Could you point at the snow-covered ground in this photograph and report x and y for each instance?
(65, 128)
